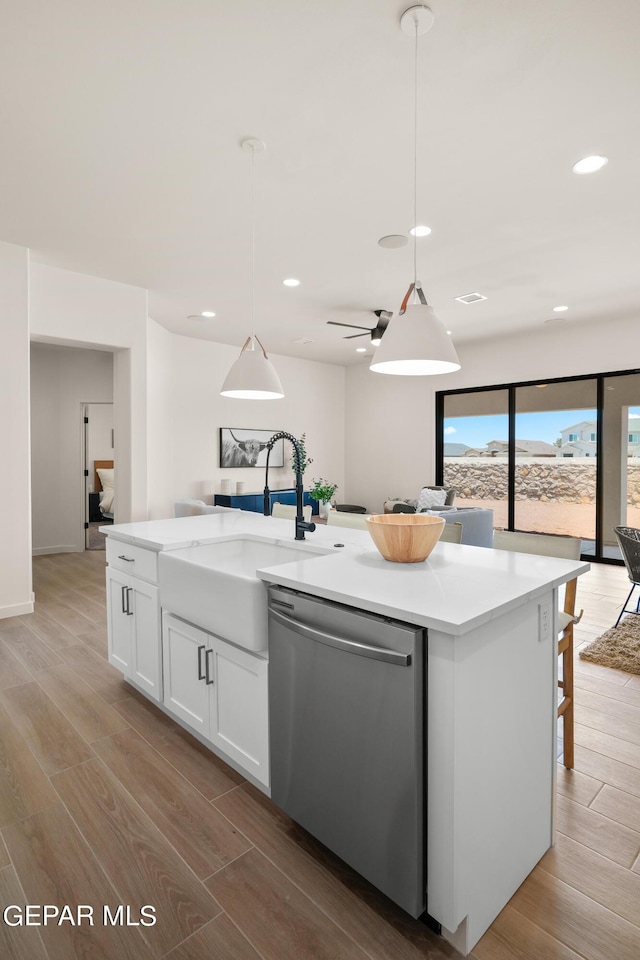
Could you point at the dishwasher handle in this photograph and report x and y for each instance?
(349, 646)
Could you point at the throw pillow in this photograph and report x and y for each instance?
(429, 499)
(106, 478)
(390, 503)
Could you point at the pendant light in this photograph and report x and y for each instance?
(416, 342)
(252, 376)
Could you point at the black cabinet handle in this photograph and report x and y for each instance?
(200, 673)
(124, 607)
(128, 559)
(129, 610)
(209, 680)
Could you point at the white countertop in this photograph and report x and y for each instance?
(455, 590)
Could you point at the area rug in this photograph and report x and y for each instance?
(619, 647)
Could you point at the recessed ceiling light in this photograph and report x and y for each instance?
(590, 164)
(291, 282)
(393, 241)
(470, 298)
(450, 332)
(560, 309)
(207, 313)
(361, 349)
(420, 231)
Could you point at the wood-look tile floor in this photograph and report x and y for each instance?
(104, 800)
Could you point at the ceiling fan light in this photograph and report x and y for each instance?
(252, 376)
(416, 344)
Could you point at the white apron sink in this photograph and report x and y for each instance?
(215, 585)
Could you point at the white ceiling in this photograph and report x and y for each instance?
(120, 157)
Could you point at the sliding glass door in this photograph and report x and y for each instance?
(557, 456)
(475, 445)
(621, 458)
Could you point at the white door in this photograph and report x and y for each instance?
(98, 445)
(146, 642)
(240, 717)
(119, 620)
(186, 692)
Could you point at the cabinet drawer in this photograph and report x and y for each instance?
(129, 558)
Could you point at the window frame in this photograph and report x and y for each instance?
(599, 379)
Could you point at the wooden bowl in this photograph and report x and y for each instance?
(405, 537)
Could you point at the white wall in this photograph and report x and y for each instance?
(167, 406)
(62, 379)
(391, 420)
(73, 309)
(313, 404)
(15, 531)
(160, 346)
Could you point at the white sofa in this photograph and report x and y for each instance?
(197, 508)
(477, 524)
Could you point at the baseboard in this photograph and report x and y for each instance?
(41, 551)
(16, 610)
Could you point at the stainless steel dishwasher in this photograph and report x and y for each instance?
(347, 733)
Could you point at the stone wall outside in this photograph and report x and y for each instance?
(548, 479)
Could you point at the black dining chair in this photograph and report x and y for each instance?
(629, 540)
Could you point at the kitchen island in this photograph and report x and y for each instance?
(490, 682)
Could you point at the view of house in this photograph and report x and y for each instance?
(578, 440)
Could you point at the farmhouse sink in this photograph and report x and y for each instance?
(215, 586)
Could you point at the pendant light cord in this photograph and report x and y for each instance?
(253, 242)
(415, 163)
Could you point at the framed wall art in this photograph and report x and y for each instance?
(243, 447)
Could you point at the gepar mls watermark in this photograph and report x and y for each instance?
(81, 914)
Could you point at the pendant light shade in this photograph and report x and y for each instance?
(252, 376)
(416, 344)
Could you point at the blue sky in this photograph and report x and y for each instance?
(478, 431)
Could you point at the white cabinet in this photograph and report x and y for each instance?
(133, 626)
(220, 691)
(186, 692)
(239, 707)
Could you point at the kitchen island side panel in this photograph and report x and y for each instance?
(491, 765)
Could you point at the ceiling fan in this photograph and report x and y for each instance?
(384, 316)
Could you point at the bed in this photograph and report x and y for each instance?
(103, 486)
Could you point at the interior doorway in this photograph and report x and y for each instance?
(98, 447)
(63, 378)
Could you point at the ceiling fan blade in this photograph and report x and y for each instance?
(352, 336)
(354, 326)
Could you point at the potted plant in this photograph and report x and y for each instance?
(323, 492)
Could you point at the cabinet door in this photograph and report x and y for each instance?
(118, 621)
(239, 708)
(146, 642)
(186, 692)
(283, 496)
(249, 501)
